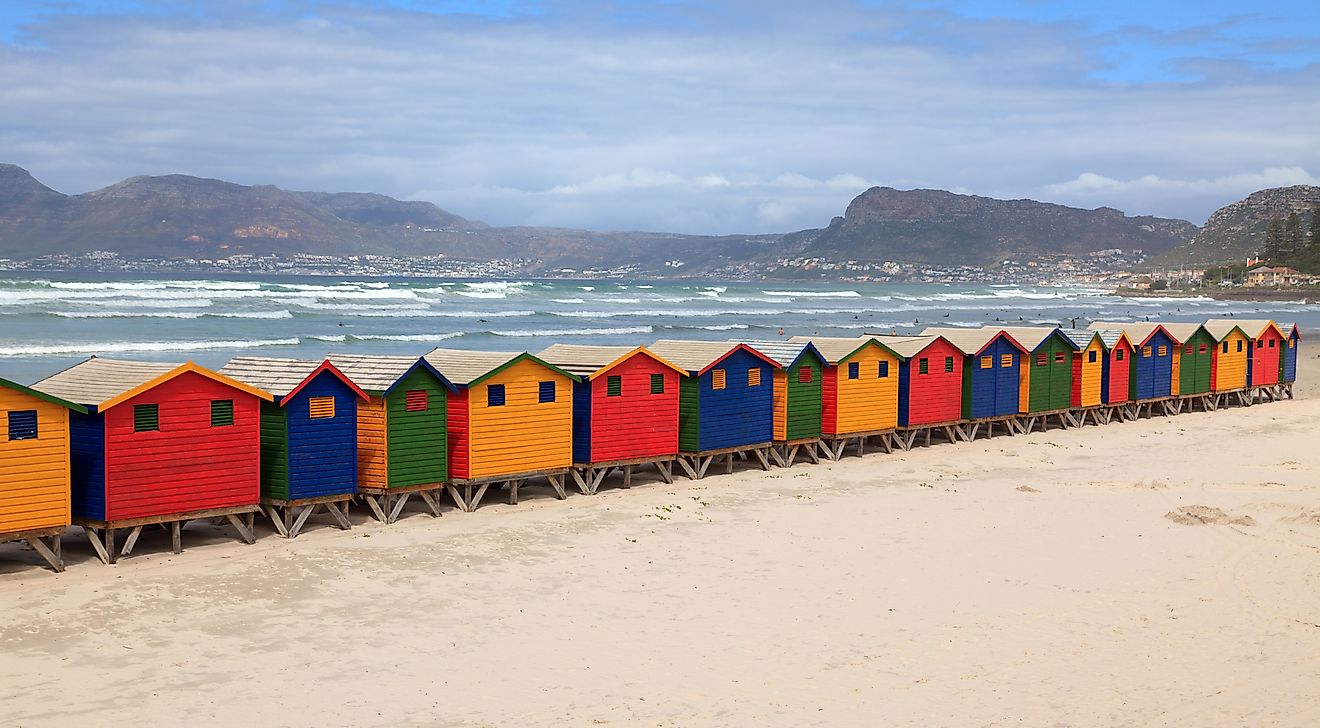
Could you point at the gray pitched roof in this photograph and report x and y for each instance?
(1137, 332)
(836, 348)
(692, 355)
(906, 346)
(583, 359)
(373, 373)
(1030, 337)
(270, 374)
(463, 366)
(97, 380)
(1253, 327)
(784, 353)
(968, 341)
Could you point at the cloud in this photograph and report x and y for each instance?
(724, 116)
(1153, 191)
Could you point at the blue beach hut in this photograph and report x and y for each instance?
(1151, 375)
(726, 401)
(1292, 338)
(308, 437)
(992, 370)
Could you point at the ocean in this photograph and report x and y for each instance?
(50, 322)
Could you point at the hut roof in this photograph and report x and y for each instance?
(1111, 337)
(698, 356)
(1031, 337)
(466, 367)
(42, 395)
(785, 353)
(590, 361)
(1082, 338)
(1183, 332)
(970, 341)
(1254, 328)
(378, 373)
(837, 348)
(283, 377)
(906, 347)
(104, 383)
(1289, 329)
(1137, 332)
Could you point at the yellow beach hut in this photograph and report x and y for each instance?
(860, 392)
(510, 421)
(34, 469)
(1228, 372)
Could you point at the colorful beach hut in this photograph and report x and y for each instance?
(798, 376)
(1151, 377)
(510, 421)
(1088, 368)
(1267, 345)
(34, 468)
(1115, 383)
(1193, 360)
(308, 438)
(929, 387)
(402, 431)
(1049, 371)
(160, 444)
(726, 402)
(993, 373)
(1288, 365)
(859, 392)
(625, 411)
(1230, 352)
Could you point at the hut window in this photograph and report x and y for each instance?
(987, 362)
(1239, 349)
(416, 400)
(1059, 357)
(614, 386)
(854, 370)
(1164, 351)
(494, 395)
(804, 375)
(1042, 359)
(1118, 356)
(1202, 349)
(717, 379)
(948, 364)
(1271, 343)
(546, 392)
(1188, 350)
(23, 425)
(923, 366)
(1090, 357)
(1225, 347)
(146, 417)
(657, 384)
(754, 377)
(321, 408)
(222, 412)
(1291, 343)
(883, 370)
(1005, 360)
(1145, 351)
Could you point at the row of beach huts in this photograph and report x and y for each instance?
(117, 446)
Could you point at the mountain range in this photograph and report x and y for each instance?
(179, 216)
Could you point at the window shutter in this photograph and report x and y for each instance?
(494, 395)
(1119, 355)
(1090, 357)
(987, 362)
(1145, 351)
(321, 408)
(948, 364)
(717, 379)
(1059, 357)
(754, 377)
(416, 400)
(23, 425)
(853, 372)
(613, 386)
(1042, 359)
(1203, 348)
(546, 392)
(1005, 360)
(884, 369)
(222, 412)
(657, 384)
(805, 375)
(1164, 351)
(146, 417)
(923, 366)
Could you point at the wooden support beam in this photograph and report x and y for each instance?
(51, 554)
(373, 503)
(297, 525)
(459, 500)
(94, 537)
(244, 530)
(557, 482)
(474, 500)
(400, 500)
(666, 471)
(432, 501)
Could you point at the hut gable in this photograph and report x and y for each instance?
(1088, 367)
(727, 399)
(34, 459)
(625, 402)
(1288, 364)
(993, 380)
(1049, 372)
(861, 385)
(930, 379)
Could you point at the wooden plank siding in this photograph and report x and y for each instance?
(457, 435)
(186, 465)
(1195, 362)
(274, 452)
(524, 434)
(933, 397)
(1152, 374)
(802, 406)
(1288, 364)
(1266, 352)
(689, 414)
(372, 441)
(415, 440)
(87, 465)
(992, 382)
(739, 414)
(868, 402)
(781, 405)
(1088, 374)
(322, 452)
(636, 423)
(1051, 375)
(34, 473)
(1117, 373)
(1229, 364)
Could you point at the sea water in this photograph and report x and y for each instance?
(50, 322)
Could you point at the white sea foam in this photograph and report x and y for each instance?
(408, 337)
(814, 294)
(121, 347)
(339, 339)
(174, 314)
(576, 332)
(720, 327)
(568, 300)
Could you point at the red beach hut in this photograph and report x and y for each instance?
(161, 444)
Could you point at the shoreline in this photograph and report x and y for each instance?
(1301, 296)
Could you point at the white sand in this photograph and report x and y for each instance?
(927, 589)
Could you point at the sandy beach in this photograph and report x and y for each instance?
(1162, 572)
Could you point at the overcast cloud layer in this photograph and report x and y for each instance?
(712, 117)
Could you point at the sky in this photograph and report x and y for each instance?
(695, 116)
